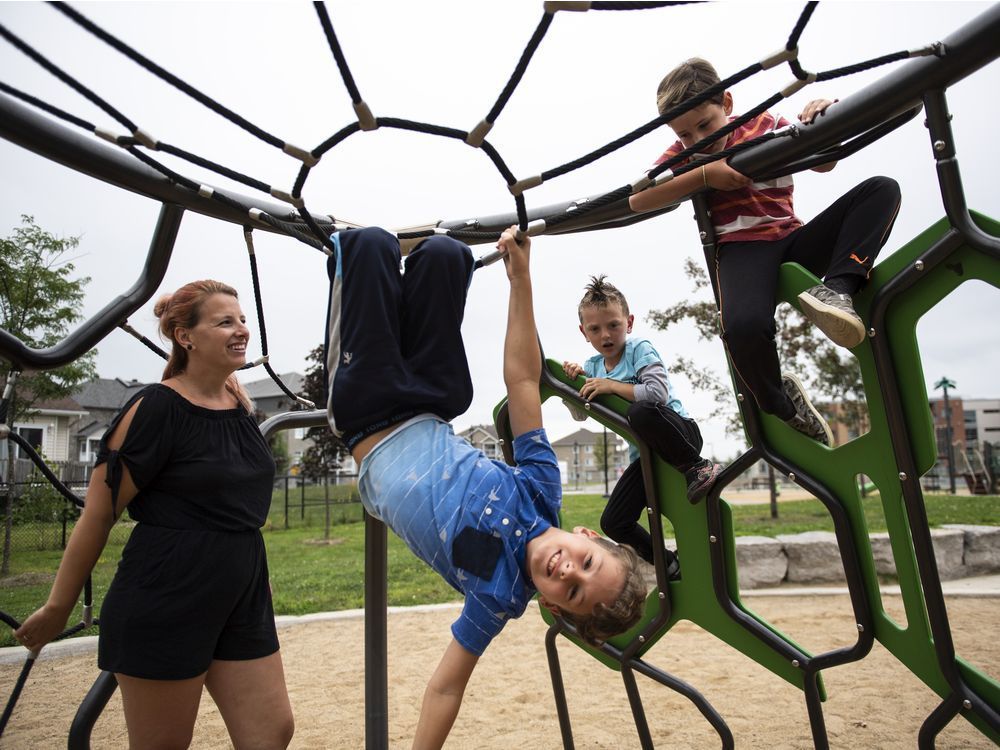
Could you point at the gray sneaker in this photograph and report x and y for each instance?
(833, 314)
(807, 420)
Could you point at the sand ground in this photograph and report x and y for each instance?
(875, 703)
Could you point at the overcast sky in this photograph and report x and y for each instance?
(593, 79)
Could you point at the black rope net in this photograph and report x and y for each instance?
(315, 229)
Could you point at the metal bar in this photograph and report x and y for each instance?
(90, 710)
(89, 333)
(376, 639)
(25, 127)
(638, 712)
(968, 49)
(950, 178)
(558, 686)
(289, 420)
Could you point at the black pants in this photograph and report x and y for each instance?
(393, 342)
(841, 241)
(675, 439)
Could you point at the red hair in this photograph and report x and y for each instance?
(182, 309)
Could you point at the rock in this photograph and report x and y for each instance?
(885, 563)
(949, 551)
(760, 561)
(981, 548)
(813, 557)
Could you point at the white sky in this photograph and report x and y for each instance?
(592, 80)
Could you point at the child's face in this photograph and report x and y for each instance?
(701, 121)
(606, 329)
(572, 572)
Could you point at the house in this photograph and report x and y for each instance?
(484, 437)
(269, 399)
(101, 399)
(581, 457)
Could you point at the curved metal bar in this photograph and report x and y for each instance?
(844, 150)
(90, 710)
(938, 719)
(930, 581)
(558, 686)
(289, 420)
(25, 127)
(966, 50)
(86, 336)
(949, 177)
(37, 460)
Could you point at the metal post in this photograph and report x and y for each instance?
(606, 493)
(286, 502)
(944, 384)
(774, 491)
(376, 639)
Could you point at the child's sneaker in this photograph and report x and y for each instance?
(700, 479)
(672, 564)
(806, 420)
(833, 314)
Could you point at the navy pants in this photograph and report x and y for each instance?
(675, 439)
(842, 241)
(393, 341)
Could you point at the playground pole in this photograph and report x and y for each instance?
(944, 384)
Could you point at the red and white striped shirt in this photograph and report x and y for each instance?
(762, 211)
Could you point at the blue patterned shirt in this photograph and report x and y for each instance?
(467, 516)
(638, 354)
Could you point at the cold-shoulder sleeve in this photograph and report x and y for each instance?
(147, 444)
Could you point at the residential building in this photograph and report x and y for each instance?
(580, 455)
(48, 428)
(269, 399)
(484, 437)
(101, 399)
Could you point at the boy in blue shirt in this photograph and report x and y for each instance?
(633, 370)
(397, 373)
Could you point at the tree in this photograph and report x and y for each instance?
(39, 300)
(604, 451)
(832, 375)
(327, 452)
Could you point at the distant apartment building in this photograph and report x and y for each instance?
(972, 425)
(581, 457)
(484, 437)
(269, 399)
(67, 431)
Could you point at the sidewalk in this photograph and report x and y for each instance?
(975, 587)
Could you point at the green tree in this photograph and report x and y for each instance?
(832, 375)
(327, 452)
(39, 300)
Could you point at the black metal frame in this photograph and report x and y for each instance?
(875, 110)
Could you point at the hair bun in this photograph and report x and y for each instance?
(162, 305)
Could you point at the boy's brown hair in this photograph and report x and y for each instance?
(685, 81)
(601, 293)
(608, 621)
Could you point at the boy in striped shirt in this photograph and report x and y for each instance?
(757, 230)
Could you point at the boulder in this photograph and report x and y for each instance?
(885, 563)
(949, 552)
(813, 557)
(981, 548)
(760, 561)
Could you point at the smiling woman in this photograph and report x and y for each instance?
(186, 458)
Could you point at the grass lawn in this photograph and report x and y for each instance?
(310, 573)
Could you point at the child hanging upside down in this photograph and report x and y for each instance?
(398, 373)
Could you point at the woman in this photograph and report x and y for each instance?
(190, 605)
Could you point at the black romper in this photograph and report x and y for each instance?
(192, 584)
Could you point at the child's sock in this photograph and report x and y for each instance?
(847, 284)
